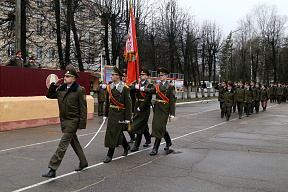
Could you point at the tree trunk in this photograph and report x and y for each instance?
(77, 44)
(58, 33)
(23, 29)
(68, 29)
(106, 38)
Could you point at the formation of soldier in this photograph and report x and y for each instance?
(247, 97)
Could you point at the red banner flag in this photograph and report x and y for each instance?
(131, 52)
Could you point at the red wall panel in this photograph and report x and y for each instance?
(17, 81)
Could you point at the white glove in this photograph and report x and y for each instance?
(142, 88)
(104, 86)
(137, 86)
(138, 109)
(127, 122)
(171, 117)
(105, 118)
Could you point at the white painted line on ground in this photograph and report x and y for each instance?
(34, 144)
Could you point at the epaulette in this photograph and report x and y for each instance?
(126, 86)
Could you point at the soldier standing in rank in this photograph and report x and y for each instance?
(101, 98)
(257, 98)
(142, 111)
(264, 97)
(279, 92)
(248, 99)
(254, 92)
(73, 116)
(16, 61)
(133, 99)
(240, 97)
(118, 111)
(229, 101)
(164, 108)
(221, 88)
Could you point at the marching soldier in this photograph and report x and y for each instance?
(221, 89)
(164, 108)
(272, 90)
(284, 92)
(73, 116)
(16, 61)
(229, 101)
(257, 98)
(101, 98)
(133, 99)
(279, 93)
(254, 92)
(248, 99)
(235, 95)
(264, 97)
(240, 97)
(118, 111)
(142, 111)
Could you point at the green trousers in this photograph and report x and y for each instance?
(240, 106)
(62, 147)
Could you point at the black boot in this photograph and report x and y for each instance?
(156, 146)
(109, 155)
(50, 174)
(132, 137)
(137, 143)
(81, 168)
(147, 137)
(168, 140)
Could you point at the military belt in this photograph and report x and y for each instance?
(161, 101)
(116, 107)
(141, 99)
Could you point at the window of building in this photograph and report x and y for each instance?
(51, 30)
(91, 59)
(27, 24)
(11, 49)
(10, 25)
(63, 34)
(63, 8)
(52, 5)
(91, 37)
(39, 27)
(39, 52)
(27, 50)
(39, 3)
(51, 54)
(91, 15)
(78, 12)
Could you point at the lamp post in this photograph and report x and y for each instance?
(227, 51)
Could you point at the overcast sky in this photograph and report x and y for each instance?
(226, 13)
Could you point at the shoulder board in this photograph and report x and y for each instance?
(126, 86)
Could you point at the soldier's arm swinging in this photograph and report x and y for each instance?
(82, 108)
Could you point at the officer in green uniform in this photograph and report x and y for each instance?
(142, 111)
(101, 98)
(264, 97)
(133, 99)
(235, 98)
(30, 63)
(279, 93)
(118, 111)
(164, 108)
(248, 99)
(272, 92)
(16, 61)
(254, 92)
(284, 93)
(229, 101)
(240, 96)
(257, 97)
(221, 88)
(73, 116)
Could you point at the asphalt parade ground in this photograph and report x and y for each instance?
(208, 154)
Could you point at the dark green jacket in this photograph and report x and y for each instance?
(72, 106)
(248, 95)
(258, 94)
(264, 95)
(162, 109)
(141, 117)
(101, 94)
(254, 93)
(240, 94)
(30, 65)
(221, 93)
(229, 98)
(15, 61)
(279, 90)
(114, 129)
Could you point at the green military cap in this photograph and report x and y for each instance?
(116, 71)
(247, 83)
(124, 72)
(144, 71)
(162, 71)
(252, 81)
(71, 71)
